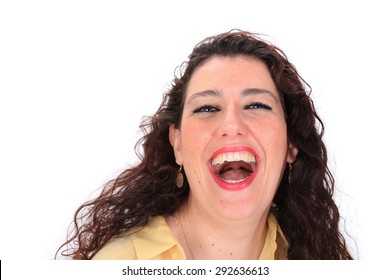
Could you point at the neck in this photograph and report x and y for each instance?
(205, 237)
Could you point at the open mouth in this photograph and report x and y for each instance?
(233, 167)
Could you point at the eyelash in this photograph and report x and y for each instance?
(258, 105)
(213, 109)
(206, 109)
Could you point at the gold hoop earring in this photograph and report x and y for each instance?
(179, 178)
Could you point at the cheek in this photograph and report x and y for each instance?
(273, 136)
(195, 137)
(194, 175)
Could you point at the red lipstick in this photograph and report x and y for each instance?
(234, 185)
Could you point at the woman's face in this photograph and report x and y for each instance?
(232, 141)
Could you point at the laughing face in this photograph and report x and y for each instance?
(232, 141)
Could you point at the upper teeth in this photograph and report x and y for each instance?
(234, 156)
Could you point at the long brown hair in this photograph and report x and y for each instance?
(305, 208)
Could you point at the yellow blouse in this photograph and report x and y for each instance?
(156, 242)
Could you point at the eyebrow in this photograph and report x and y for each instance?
(245, 92)
(205, 93)
(256, 91)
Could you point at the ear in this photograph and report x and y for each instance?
(175, 139)
(291, 153)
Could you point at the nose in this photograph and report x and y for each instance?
(232, 123)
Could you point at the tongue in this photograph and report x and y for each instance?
(235, 171)
(234, 175)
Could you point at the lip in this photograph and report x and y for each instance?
(239, 185)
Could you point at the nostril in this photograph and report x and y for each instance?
(233, 132)
(233, 129)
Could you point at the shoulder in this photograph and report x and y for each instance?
(275, 245)
(154, 241)
(278, 237)
(118, 248)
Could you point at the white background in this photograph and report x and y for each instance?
(76, 77)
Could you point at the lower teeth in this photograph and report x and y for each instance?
(234, 181)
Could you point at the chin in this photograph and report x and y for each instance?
(236, 208)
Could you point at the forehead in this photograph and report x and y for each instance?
(237, 72)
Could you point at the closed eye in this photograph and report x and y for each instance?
(257, 105)
(206, 109)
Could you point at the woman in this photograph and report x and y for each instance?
(233, 167)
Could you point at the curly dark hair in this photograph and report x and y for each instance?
(305, 209)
